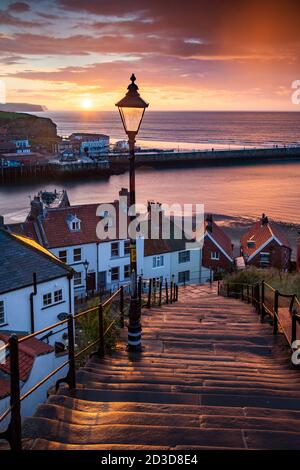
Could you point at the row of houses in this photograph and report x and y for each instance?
(55, 256)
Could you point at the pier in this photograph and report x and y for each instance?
(118, 163)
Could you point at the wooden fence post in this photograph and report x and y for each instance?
(101, 349)
(160, 293)
(275, 313)
(262, 302)
(167, 292)
(15, 430)
(122, 322)
(149, 293)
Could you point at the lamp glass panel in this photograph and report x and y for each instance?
(132, 118)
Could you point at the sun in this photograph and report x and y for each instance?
(86, 103)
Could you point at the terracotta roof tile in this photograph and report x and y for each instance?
(4, 388)
(258, 235)
(28, 351)
(221, 238)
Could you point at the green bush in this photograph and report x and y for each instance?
(286, 283)
(87, 327)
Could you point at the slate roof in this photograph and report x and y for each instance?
(259, 234)
(21, 257)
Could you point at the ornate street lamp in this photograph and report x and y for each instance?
(132, 108)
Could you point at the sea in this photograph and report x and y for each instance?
(241, 190)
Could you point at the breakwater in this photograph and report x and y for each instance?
(118, 163)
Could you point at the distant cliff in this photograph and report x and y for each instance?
(22, 107)
(40, 131)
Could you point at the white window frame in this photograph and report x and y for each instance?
(265, 254)
(184, 253)
(79, 273)
(65, 257)
(111, 249)
(75, 260)
(118, 268)
(158, 261)
(2, 301)
(61, 296)
(215, 255)
(49, 295)
(128, 268)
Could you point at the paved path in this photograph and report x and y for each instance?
(211, 377)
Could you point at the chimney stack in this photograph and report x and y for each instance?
(36, 208)
(264, 219)
(209, 223)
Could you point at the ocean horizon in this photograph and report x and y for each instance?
(189, 129)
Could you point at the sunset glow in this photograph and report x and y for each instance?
(207, 56)
(87, 103)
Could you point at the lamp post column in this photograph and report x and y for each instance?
(134, 325)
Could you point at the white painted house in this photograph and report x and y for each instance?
(172, 259)
(35, 287)
(70, 233)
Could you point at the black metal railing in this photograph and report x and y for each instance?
(151, 293)
(282, 309)
(155, 292)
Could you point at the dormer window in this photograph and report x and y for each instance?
(251, 244)
(74, 223)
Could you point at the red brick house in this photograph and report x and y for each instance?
(217, 252)
(265, 246)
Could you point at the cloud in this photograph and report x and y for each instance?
(19, 7)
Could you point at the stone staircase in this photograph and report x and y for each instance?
(211, 376)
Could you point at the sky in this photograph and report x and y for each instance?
(187, 55)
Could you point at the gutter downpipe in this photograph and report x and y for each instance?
(70, 276)
(32, 294)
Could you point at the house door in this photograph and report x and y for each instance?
(91, 282)
(102, 280)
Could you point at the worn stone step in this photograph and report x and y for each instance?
(60, 413)
(52, 430)
(98, 407)
(190, 389)
(207, 373)
(44, 444)
(238, 422)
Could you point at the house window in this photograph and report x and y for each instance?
(114, 249)
(264, 258)
(77, 255)
(77, 279)
(184, 256)
(58, 295)
(115, 273)
(183, 276)
(126, 271)
(158, 261)
(47, 299)
(126, 247)
(63, 255)
(75, 226)
(215, 255)
(2, 312)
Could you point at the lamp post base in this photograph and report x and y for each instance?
(134, 327)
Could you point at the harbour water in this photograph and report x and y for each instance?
(239, 190)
